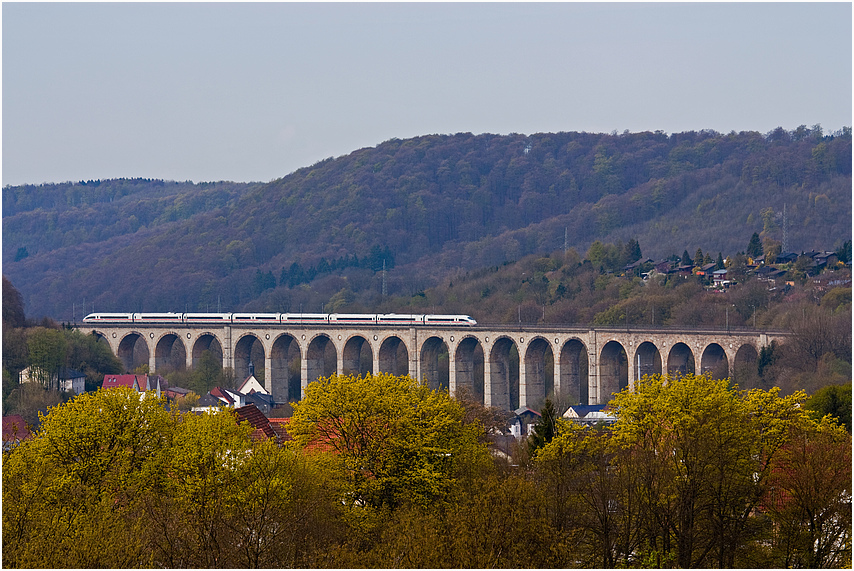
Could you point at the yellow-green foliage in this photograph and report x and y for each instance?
(396, 440)
(385, 473)
(681, 476)
(114, 480)
(69, 493)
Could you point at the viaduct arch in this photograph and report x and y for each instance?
(498, 366)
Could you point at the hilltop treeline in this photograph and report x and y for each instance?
(437, 204)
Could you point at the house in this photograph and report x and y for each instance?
(36, 375)
(15, 431)
(176, 392)
(598, 416)
(706, 269)
(261, 427)
(220, 397)
(251, 385)
(589, 414)
(280, 427)
(720, 277)
(520, 424)
(769, 273)
(263, 401)
(139, 383)
(826, 282)
(578, 411)
(72, 381)
(207, 403)
(826, 260)
(228, 397)
(634, 266)
(684, 271)
(250, 392)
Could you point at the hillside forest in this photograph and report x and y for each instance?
(382, 226)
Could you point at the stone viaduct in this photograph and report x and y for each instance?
(503, 366)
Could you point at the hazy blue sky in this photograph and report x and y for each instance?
(255, 91)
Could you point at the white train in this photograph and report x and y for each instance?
(284, 318)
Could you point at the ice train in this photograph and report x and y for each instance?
(283, 318)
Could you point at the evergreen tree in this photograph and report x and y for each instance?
(844, 252)
(686, 258)
(632, 251)
(544, 430)
(698, 258)
(263, 281)
(719, 263)
(754, 248)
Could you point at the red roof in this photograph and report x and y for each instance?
(280, 426)
(15, 428)
(129, 381)
(175, 392)
(222, 394)
(256, 420)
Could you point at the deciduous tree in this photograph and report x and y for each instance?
(70, 495)
(396, 440)
(809, 497)
(46, 349)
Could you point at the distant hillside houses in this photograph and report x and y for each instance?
(786, 266)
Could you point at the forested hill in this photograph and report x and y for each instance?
(425, 207)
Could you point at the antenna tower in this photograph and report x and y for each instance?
(785, 246)
(565, 240)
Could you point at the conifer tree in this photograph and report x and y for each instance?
(754, 247)
(632, 251)
(544, 430)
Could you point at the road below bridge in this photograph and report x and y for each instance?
(502, 366)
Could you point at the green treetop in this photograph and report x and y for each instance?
(396, 440)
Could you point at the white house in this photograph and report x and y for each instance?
(251, 385)
(73, 381)
(588, 415)
(70, 380)
(35, 375)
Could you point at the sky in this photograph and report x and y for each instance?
(254, 91)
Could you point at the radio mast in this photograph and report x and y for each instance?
(384, 289)
(785, 246)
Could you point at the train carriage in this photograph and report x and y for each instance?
(207, 318)
(305, 318)
(353, 318)
(158, 317)
(108, 318)
(449, 320)
(256, 318)
(400, 319)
